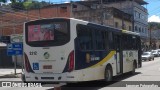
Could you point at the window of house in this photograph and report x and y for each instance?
(142, 17)
(63, 9)
(139, 29)
(116, 24)
(130, 28)
(142, 30)
(135, 28)
(135, 13)
(74, 6)
(139, 15)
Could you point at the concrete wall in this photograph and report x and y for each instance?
(133, 8)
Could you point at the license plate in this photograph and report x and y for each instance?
(47, 66)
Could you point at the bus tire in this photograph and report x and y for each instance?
(108, 73)
(23, 78)
(134, 68)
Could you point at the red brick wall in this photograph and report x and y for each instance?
(19, 17)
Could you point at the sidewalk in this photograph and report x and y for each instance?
(10, 73)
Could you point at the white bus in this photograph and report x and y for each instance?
(71, 50)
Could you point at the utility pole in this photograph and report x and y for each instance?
(15, 57)
(102, 13)
(151, 27)
(71, 11)
(150, 38)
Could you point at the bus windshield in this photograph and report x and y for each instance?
(45, 32)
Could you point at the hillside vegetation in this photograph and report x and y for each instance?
(153, 25)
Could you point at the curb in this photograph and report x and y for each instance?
(18, 75)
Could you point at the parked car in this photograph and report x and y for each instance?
(147, 56)
(156, 53)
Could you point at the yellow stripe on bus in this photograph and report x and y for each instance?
(108, 57)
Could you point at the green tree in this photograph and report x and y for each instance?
(27, 4)
(17, 6)
(154, 25)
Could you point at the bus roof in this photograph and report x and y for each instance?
(130, 32)
(98, 26)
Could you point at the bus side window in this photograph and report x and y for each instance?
(99, 42)
(84, 35)
(110, 38)
(116, 42)
(105, 40)
(124, 40)
(134, 43)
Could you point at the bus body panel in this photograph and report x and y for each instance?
(87, 74)
(53, 61)
(128, 59)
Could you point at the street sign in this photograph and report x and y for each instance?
(14, 49)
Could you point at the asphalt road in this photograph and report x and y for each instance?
(145, 78)
(142, 80)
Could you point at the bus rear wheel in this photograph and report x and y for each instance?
(134, 68)
(108, 73)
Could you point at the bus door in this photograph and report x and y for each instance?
(119, 57)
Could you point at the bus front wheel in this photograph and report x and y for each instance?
(108, 73)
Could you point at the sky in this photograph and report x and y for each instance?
(153, 10)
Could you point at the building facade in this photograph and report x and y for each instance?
(139, 13)
(107, 16)
(126, 14)
(135, 8)
(12, 22)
